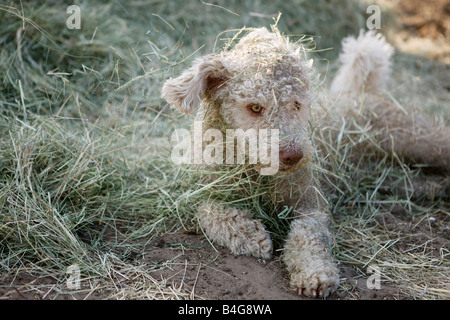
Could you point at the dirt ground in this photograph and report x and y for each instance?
(214, 273)
(423, 28)
(188, 260)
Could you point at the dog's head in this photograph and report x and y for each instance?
(264, 82)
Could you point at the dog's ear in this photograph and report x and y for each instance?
(207, 75)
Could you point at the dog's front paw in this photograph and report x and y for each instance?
(319, 278)
(249, 237)
(261, 246)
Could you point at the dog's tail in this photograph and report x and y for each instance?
(365, 64)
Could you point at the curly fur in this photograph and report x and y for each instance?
(235, 229)
(365, 64)
(404, 131)
(265, 68)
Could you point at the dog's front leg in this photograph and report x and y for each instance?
(235, 229)
(307, 255)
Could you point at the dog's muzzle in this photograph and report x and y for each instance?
(290, 157)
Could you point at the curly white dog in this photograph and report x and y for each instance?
(266, 82)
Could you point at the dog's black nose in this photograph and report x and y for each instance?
(290, 157)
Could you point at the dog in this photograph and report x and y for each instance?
(266, 82)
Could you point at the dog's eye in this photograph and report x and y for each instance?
(256, 108)
(297, 105)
